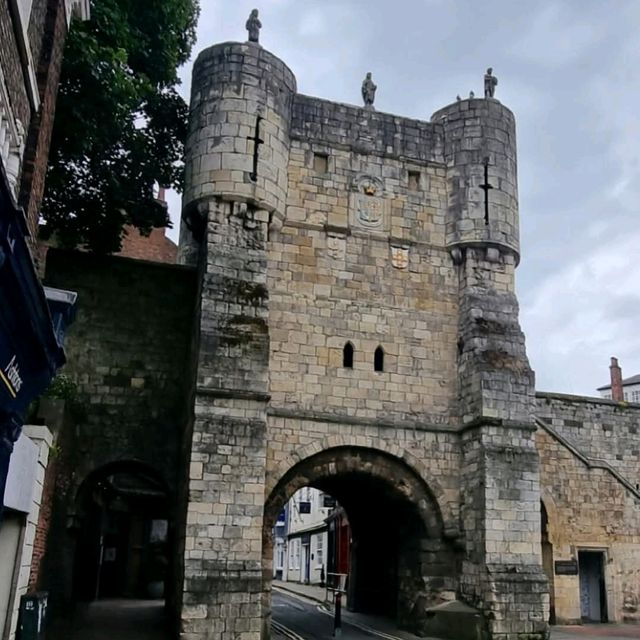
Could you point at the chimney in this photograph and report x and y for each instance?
(616, 381)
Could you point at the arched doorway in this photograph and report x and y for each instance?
(399, 560)
(123, 533)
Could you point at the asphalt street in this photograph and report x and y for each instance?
(300, 619)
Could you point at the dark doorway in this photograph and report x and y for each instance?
(593, 594)
(122, 546)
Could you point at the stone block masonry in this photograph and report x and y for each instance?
(128, 356)
(317, 225)
(347, 321)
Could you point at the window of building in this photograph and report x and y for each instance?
(347, 356)
(635, 396)
(319, 550)
(320, 162)
(378, 359)
(414, 180)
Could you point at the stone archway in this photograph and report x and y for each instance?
(401, 561)
(122, 533)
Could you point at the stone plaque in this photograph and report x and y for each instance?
(566, 567)
(336, 246)
(400, 257)
(368, 204)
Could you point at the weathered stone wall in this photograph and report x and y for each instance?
(600, 429)
(127, 352)
(589, 509)
(589, 464)
(331, 280)
(362, 228)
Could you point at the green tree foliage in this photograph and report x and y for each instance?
(120, 125)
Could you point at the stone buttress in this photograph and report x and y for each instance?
(241, 97)
(500, 502)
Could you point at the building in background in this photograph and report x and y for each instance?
(305, 558)
(155, 247)
(619, 389)
(338, 545)
(32, 319)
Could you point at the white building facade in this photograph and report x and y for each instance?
(301, 538)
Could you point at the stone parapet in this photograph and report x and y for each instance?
(362, 130)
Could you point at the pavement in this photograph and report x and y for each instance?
(311, 591)
(114, 620)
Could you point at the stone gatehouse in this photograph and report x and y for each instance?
(345, 318)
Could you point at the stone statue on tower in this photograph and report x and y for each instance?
(490, 82)
(253, 26)
(368, 91)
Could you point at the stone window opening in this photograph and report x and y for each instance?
(378, 359)
(347, 356)
(321, 162)
(414, 180)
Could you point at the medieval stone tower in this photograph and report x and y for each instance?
(357, 332)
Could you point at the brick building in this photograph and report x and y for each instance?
(344, 318)
(32, 319)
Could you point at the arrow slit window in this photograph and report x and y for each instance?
(347, 356)
(378, 359)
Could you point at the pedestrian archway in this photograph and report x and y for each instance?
(399, 560)
(122, 546)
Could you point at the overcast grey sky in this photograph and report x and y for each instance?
(570, 71)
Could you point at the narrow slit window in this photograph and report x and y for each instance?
(414, 180)
(321, 162)
(378, 359)
(347, 356)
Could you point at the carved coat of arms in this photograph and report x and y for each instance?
(400, 257)
(368, 202)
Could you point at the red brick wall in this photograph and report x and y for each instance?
(155, 248)
(44, 521)
(37, 21)
(12, 66)
(49, 65)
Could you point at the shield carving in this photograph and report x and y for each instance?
(400, 257)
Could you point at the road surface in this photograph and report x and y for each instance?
(298, 618)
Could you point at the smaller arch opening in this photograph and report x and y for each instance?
(378, 359)
(347, 356)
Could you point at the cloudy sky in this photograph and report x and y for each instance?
(570, 71)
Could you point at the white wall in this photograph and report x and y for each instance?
(23, 494)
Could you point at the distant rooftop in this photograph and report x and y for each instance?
(625, 383)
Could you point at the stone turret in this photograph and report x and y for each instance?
(236, 182)
(500, 510)
(240, 92)
(480, 153)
